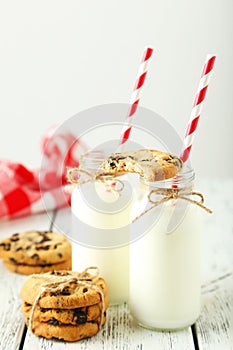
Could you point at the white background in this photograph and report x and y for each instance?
(60, 57)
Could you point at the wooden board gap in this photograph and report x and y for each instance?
(195, 339)
(52, 220)
(21, 345)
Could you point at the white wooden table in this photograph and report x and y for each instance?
(213, 330)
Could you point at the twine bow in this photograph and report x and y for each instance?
(75, 175)
(173, 194)
(57, 283)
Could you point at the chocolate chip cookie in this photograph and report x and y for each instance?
(65, 316)
(72, 294)
(35, 248)
(36, 252)
(25, 269)
(152, 165)
(66, 332)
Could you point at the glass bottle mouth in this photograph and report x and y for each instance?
(183, 179)
(92, 159)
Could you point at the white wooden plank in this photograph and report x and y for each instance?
(215, 325)
(119, 333)
(217, 230)
(11, 320)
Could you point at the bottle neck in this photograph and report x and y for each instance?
(93, 160)
(182, 180)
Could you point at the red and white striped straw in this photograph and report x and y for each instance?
(197, 107)
(136, 95)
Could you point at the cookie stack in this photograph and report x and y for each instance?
(36, 252)
(65, 305)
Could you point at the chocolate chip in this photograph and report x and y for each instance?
(13, 260)
(80, 317)
(45, 239)
(6, 246)
(85, 290)
(35, 256)
(56, 245)
(112, 165)
(14, 239)
(43, 309)
(65, 291)
(46, 247)
(55, 294)
(59, 273)
(18, 249)
(53, 321)
(59, 255)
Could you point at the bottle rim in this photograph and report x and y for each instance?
(94, 159)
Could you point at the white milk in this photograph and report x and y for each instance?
(113, 262)
(165, 270)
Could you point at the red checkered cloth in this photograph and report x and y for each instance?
(24, 191)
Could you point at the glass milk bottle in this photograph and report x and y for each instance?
(165, 260)
(101, 217)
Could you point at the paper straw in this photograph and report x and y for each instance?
(197, 107)
(135, 97)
